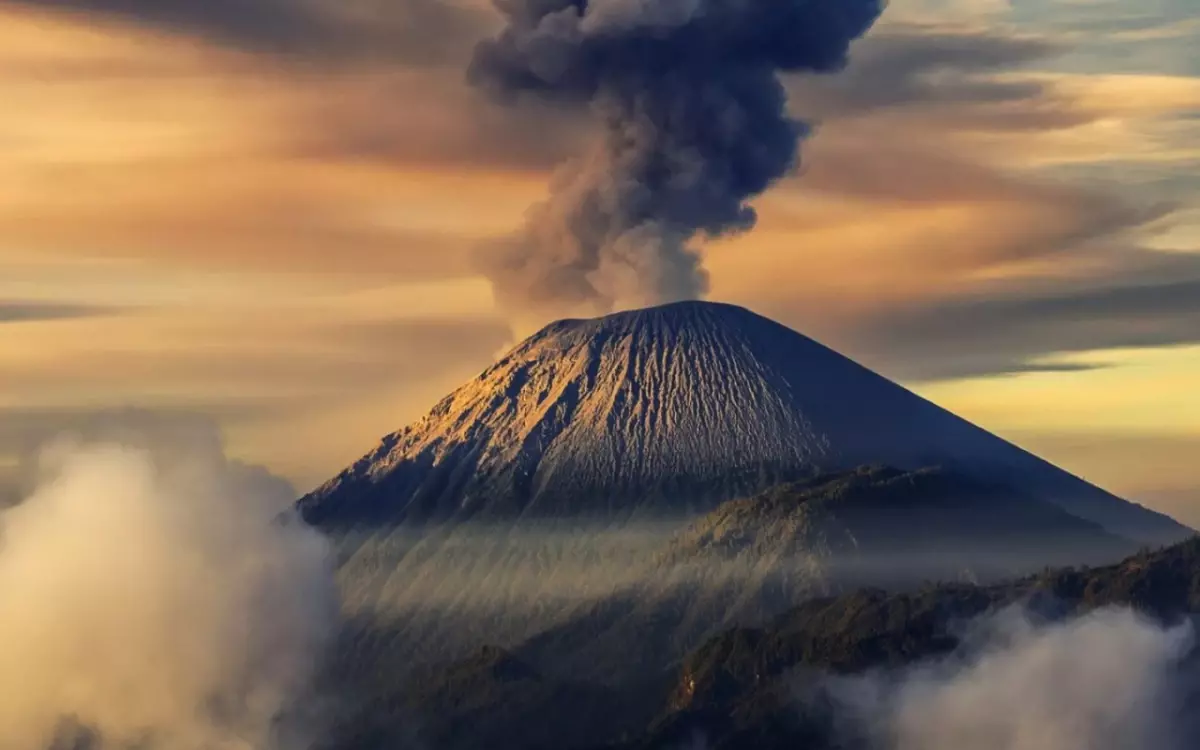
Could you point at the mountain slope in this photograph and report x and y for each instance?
(672, 410)
(750, 559)
(739, 689)
(876, 523)
(742, 687)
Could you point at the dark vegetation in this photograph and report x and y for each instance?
(739, 688)
(632, 675)
(916, 523)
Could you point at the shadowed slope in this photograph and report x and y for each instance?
(875, 521)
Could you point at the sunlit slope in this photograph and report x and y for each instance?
(669, 411)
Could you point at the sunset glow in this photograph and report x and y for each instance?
(999, 209)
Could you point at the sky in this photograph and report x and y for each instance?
(264, 213)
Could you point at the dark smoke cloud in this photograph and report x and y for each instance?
(694, 124)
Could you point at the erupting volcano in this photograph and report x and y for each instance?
(669, 411)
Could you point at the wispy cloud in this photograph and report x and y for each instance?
(24, 312)
(1153, 301)
(412, 32)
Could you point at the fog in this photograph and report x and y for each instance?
(434, 595)
(397, 568)
(152, 596)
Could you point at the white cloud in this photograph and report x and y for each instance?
(153, 597)
(1101, 682)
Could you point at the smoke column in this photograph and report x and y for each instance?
(152, 597)
(692, 124)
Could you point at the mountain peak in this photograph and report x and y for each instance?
(671, 410)
(659, 325)
(685, 313)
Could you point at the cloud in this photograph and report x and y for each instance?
(159, 599)
(248, 169)
(1147, 299)
(404, 172)
(373, 119)
(412, 32)
(339, 370)
(907, 69)
(25, 312)
(1104, 681)
(921, 67)
(974, 261)
(1057, 215)
(925, 195)
(1100, 682)
(25, 432)
(318, 354)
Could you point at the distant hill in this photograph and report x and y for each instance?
(614, 599)
(749, 559)
(738, 690)
(667, 412)
(883, 525)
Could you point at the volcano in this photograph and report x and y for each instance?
(671, 411)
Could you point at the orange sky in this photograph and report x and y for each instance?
(999, 210)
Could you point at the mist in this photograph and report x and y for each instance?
(1109, 680)
(434, 594)
(153, 596)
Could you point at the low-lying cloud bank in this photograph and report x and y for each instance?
(1111, 680)
(154, 597)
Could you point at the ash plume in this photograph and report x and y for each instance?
(692, 124)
